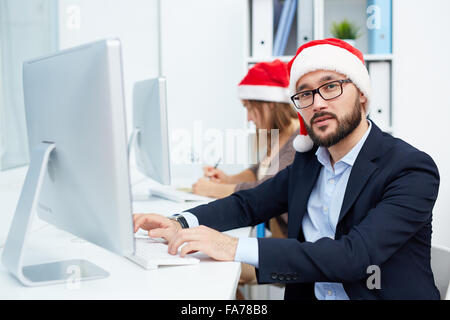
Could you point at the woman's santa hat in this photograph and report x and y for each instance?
(328, 54)
(266, 81)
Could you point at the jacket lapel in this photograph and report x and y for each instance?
(304, 185)
(362, 169)
(361, 172)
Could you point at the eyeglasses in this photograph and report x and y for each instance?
(327, 91)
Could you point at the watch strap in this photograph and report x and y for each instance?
(181, 220)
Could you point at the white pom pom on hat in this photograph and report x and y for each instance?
(302, 142)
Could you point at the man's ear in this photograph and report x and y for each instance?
(362, 98)
(363, 101)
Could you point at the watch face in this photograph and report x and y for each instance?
(182, 221)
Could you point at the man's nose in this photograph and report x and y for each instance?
(319, 103)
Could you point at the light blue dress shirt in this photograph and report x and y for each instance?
(324, 207)
(320, 220)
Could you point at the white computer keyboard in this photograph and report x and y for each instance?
(170, 193)
(151, 253)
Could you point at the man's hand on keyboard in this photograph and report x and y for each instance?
(157, 225)
(215, 244)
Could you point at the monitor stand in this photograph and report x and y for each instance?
(13, 252)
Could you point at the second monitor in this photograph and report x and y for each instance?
(151, 134)
(150, 139)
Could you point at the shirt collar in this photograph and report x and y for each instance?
(323, 156)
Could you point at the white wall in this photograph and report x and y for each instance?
(203, 59)
(133, 21)
(421, 106)
(25, 33)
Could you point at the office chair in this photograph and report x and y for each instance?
(440, 264)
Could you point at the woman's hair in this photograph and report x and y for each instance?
(281, 114)
(278, 115)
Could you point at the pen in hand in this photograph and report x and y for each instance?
(215, 166)
(217, 163)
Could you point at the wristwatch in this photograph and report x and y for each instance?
(181, 220)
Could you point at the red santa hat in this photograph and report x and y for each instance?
(328, 54)
(266, 81)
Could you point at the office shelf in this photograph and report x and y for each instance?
(378, 57)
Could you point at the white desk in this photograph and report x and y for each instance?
(207, 280)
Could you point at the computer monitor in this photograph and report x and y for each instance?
(150, 140)
(150, 136)
(78, 178)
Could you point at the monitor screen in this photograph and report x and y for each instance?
(150, 129)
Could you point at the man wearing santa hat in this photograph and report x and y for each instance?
(359, 201)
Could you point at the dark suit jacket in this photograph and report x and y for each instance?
(385, 220)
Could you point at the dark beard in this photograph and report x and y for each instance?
(345, 127)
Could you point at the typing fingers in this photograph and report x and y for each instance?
(190, 247)
(149, 221)
(135, 217)
(138, 221)
(185, 235)
(164, 233)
